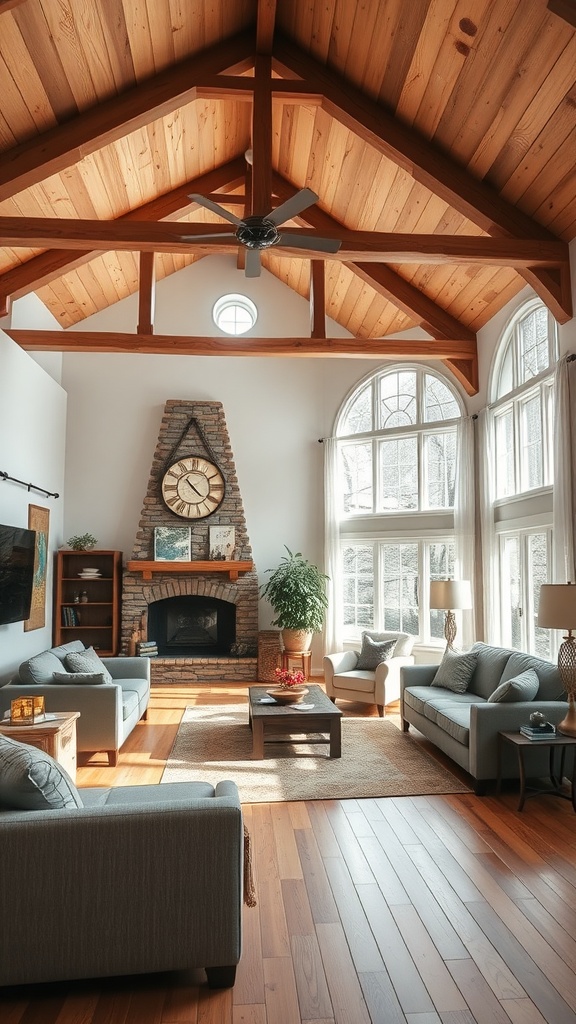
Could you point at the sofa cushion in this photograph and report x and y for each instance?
(31, 780)
(489, 668)
(374, 652)
(87, 661)
(40, 668)
(73, 647)
(521, 687)
(404, 641)
(129, 703)
(550, 688)
(355, 680)
(455, 671)
(91, 678)
(455, 721)
(428, 702)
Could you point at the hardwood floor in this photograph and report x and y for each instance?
(449, 909)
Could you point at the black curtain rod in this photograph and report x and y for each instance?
(31, 487)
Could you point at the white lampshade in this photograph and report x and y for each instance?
(450, 594)
(557, 606)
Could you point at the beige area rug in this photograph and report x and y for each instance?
(215, 743)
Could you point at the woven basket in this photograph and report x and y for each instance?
(269, 649)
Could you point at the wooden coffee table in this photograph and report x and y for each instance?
(278, 721)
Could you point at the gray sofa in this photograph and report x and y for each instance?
(466, 725)
(139, 879)
(108, 711)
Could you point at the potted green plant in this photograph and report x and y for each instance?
(297, 592)
(82, 542)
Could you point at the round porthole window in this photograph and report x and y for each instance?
(234, 314)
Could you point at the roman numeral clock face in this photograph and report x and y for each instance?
(193, 488)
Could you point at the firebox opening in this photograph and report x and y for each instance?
(192, 626)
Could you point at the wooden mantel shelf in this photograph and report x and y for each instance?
(232, 569)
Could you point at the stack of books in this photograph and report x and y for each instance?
(70, 616)
(147, 649)
(538, 732)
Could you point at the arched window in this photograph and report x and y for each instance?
(522, 401)
(522, 416)
(397, 458)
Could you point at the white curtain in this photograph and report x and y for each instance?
(464, 513)
(564, 507)
(332, 561)
(486, 475)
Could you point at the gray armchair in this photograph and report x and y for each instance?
(139, 879)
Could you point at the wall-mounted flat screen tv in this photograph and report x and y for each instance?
(16, 573)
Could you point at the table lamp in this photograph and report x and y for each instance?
(557, 610)
(451, 595)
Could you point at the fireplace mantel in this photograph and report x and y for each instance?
(232, 569)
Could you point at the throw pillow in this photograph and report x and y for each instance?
(31, 780)
(93, 678)
(455, 671)
(87, 661)
(524, 686)
(374, 652)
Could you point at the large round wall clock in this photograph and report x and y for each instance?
(193, 488)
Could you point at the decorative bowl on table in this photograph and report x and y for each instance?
(287, 694)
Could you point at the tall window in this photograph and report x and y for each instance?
(522, 393)
(397, 452)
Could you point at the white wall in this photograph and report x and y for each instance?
(32, 440)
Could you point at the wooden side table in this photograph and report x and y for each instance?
(554, 743)
(305, 657)
(56, 737)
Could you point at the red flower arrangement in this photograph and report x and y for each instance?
(288, 677)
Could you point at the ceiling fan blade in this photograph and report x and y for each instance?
(307, 242)
(292, 207)
(252, 265)
(215, 208)
(207, 238)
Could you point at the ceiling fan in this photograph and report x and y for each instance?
(257, 233)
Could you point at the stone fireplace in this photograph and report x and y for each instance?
(202, 613)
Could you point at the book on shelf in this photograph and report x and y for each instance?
(540, 732)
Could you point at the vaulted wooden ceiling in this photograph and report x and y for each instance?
(439, 136)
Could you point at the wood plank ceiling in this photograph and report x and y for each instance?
(439, 136)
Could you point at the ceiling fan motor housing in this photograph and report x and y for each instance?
(257, 233)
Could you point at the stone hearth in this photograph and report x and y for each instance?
(232, 587)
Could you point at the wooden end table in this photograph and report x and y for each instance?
(56, 737)
(278, 721)
(304, 657)
(522, 743)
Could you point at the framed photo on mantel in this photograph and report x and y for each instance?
(222, 543)
(172, 544)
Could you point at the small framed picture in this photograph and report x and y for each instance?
(172, 544)
(222, 543)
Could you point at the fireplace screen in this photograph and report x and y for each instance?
(192, 626)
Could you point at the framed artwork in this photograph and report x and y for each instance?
(222, 543)
(38, 520)
(172, 544)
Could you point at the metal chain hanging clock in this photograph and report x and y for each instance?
(193, 486)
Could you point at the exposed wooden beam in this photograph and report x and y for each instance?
(565, 9)
(66, 144)
(265, 20)
(381, 247)
(49, 265)
(473, 198)
(317, 300)
(427, 313)
(262, 137)
(171, 344)
(146, 294)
